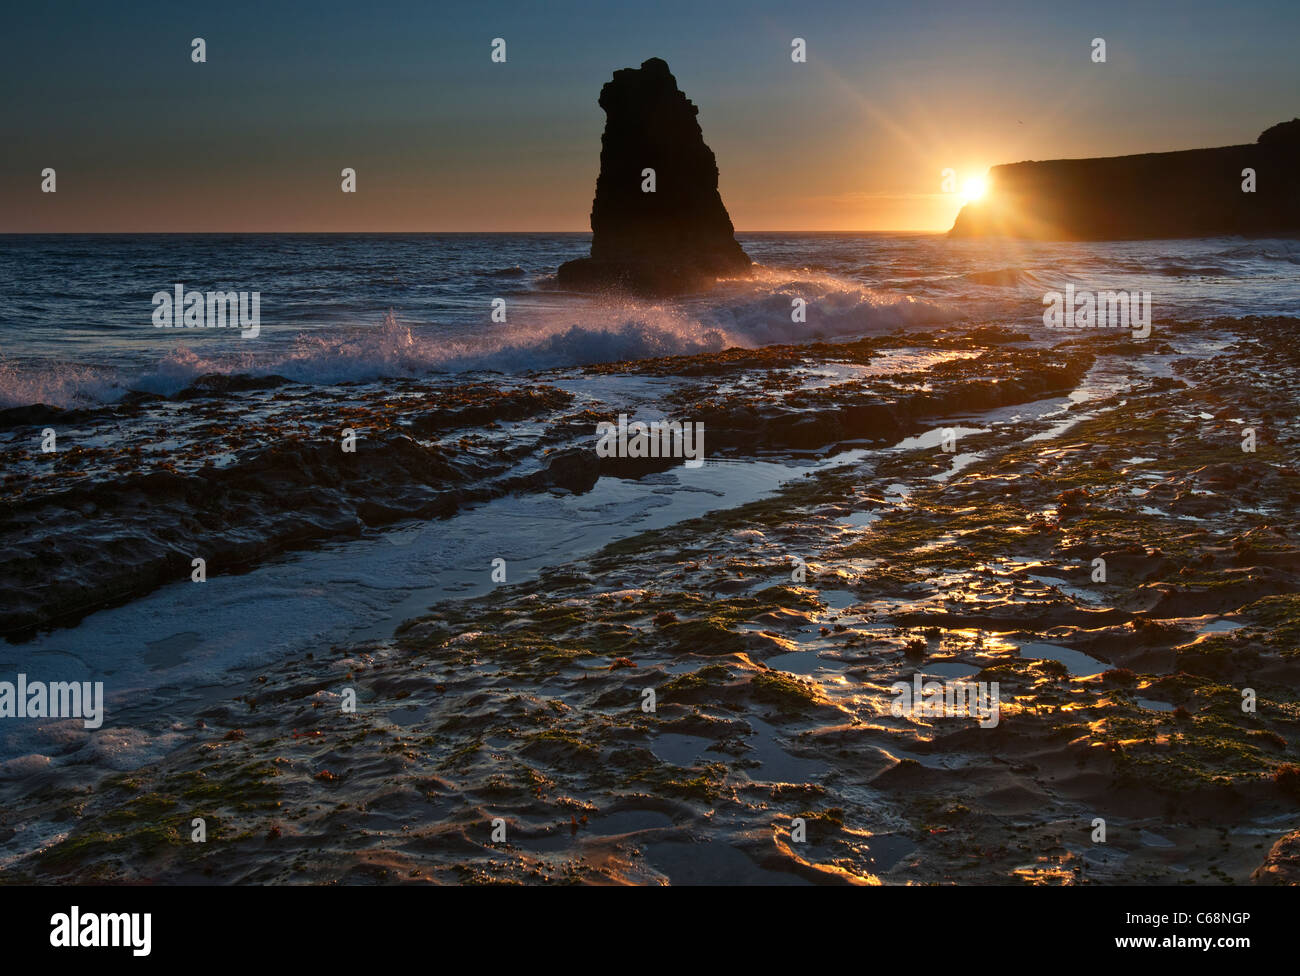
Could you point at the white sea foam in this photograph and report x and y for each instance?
(542, 334)
(853, 284)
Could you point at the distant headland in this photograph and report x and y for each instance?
(1251, 190)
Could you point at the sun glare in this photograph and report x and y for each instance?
(973, 189)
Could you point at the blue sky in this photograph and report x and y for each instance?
(444, 139)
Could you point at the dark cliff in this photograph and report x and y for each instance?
(1193, 193)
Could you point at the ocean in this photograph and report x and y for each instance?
(351, 323)
(392, 491)
(76, 321)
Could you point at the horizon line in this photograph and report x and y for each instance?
(340, 233)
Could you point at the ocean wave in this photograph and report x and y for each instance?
(1187, 271)
(66, 385)
(1003, 277)
(743, 312)
(1271, 250)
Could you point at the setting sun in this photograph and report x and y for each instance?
(973, 189)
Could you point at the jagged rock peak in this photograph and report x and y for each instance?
(658, 222)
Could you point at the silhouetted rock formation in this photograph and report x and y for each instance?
(1193, 193)
(677, 238)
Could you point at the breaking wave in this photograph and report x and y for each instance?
(543, 334)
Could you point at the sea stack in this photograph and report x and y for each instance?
(676, 236)
(1192, 193)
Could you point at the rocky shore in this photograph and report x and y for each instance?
(768, 638)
